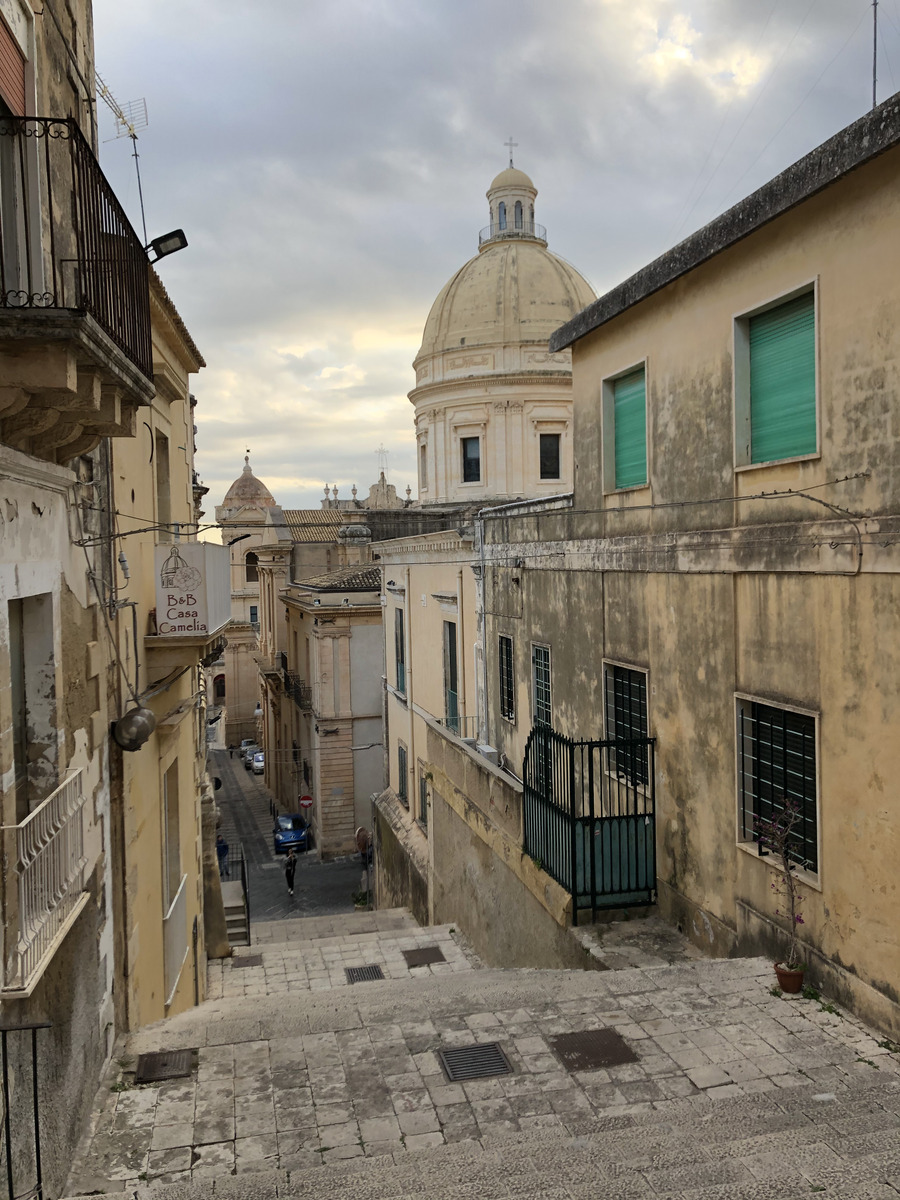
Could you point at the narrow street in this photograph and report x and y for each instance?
(320, 889)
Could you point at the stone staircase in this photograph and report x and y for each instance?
(309, 1086)
(235, 913)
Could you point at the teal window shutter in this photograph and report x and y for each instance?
(630, 428)
(783, 381)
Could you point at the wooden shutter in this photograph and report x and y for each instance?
(12, 72)
(783, 381)
(630, 428)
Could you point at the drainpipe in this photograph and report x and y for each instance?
(463, 652)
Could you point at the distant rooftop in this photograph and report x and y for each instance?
(312, 524)
(362, 578)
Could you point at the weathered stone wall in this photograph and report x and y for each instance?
(401, 859)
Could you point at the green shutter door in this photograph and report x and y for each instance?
(630, 429)
(783, 381)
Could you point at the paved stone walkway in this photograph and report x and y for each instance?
(309, 1086)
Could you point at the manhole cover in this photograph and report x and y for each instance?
(363, 974)
(474, 1062)
(424, 956)
(591, 1049)
(163, 1064)
(249, 960)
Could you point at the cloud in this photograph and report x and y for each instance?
(329, 163)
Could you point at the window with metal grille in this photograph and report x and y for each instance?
(400, 650)
(626, 720)
(549, 449)
(254, 614)
(540, 674)
(471, 459)
(423, 801)
(507, 680)
(402, 776)
(776, 750)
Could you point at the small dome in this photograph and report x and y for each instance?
(248, 490)
(512, 177)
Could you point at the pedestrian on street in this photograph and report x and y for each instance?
(231, 749)
(222, 852)
(290, 866)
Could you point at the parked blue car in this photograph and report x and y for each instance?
(290, 830)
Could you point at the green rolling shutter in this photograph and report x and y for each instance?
(783, 381)
(630, 429)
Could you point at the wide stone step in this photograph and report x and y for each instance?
(308, 930)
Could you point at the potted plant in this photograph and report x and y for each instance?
(776, 836)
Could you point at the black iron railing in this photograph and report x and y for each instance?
(65, 241)
(299, 692)
(588, 822)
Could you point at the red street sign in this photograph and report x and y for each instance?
(306, 801)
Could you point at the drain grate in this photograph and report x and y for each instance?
(424, 956)
(474, 1062)
(363, 974)
(163, 1064)
(249, 960)
(591, 1049)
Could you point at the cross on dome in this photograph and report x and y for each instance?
(511, 144)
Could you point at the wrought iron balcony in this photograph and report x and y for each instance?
(299, 692)
(65, 241)
(528, 229)
(50, 871)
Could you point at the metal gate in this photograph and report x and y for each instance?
(589, 817)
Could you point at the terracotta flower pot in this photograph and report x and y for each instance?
(790, 981)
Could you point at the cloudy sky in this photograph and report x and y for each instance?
(328, 161)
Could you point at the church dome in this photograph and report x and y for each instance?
(247, 491)
(512, 177)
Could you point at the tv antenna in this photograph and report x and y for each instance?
(129, 119)
(874, 51)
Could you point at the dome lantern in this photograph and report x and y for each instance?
(511, 199)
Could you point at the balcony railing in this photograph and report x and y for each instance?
(175, 939)
(299, 692)
(65, 241)
(528, 229)
(50, 874)
(463, 727)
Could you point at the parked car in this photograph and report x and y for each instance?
(290, 830)
(247, 755)
(259, 762)
(246, 743)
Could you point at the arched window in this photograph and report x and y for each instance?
(531, 218)
(519, 221)
(219, 689)
(501, 214)
(251, 570)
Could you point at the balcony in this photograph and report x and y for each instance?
(193, 605)
(48, 848)
(74, 296)
(528, 229)
(298, 691)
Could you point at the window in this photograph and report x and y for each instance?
(400, 650)
(32, 696)
(423, 801)
(775, 382)
(172, 837)
(163, 488)
(251, 568)
(501, 214)
(507, 680)
(423, 466)
(471, 459)
(540, 673)
(549, 455)
(451, 680)
(625, 430)
(783, 381)
(626, 719)
(254, 614)
(402, 776)
(518, 214)
(776, 750)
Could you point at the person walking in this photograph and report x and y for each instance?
(222, 852)
(231, 749)
(290, 866)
